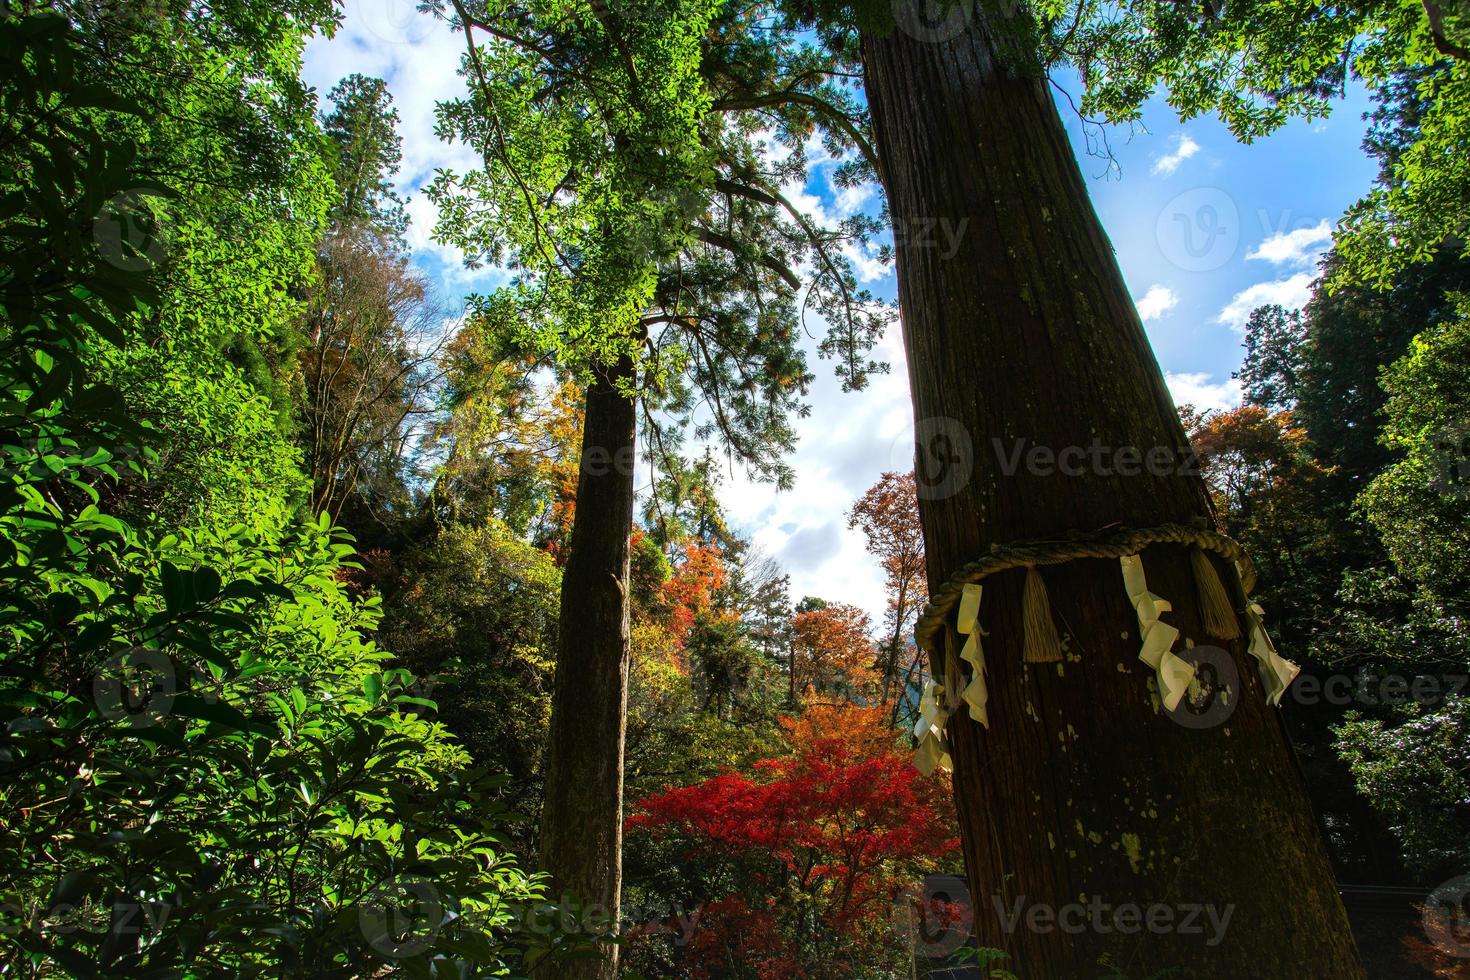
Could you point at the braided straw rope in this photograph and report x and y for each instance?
(1109, 542)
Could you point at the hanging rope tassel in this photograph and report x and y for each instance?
(1214, 601)
(1043, 646)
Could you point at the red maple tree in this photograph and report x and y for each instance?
(834, 831)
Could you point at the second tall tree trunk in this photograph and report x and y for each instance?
(582, 823)
(1082, 798)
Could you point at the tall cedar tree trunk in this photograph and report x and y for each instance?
(582, 821)
(1028, 332)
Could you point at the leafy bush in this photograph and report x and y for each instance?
(204, 766)
(1415, 768)
(1412, 761)
(476, 611)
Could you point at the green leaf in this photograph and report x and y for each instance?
(218, 712)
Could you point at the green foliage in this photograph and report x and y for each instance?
(1415, 768)
(642, 143)
(206, 766)
(1372, 549)
(1323, 365)
(1258, 63)
(726, 664)
(684, 503)
(219, 773)
(1386, 621)
(1420, 203)
(367, 151)
(56, 283)
(624, 182)
(475, 611)
(231, 132)
(1410, 761)
(1347, 336)
(221, 458)
(1420, 505)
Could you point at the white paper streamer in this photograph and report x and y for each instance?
(931, 755)
(1276, 671)
(1158, 637)
(968, 626)
(929, 730)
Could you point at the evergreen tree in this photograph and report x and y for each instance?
(367, 151)
(623, 176)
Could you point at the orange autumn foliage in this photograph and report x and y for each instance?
(1250, 456)
(864, 731)
(888, 516)
(831, 652)
(691, 590)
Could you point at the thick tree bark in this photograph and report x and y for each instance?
(1082, 791)
(582, 823)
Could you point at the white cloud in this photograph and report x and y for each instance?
(1298, 247)
(1184, 148)
(850, 200)
(1155, 303)
(421, 218)
(1292, 293)
(1195, 388)
(847, 442)
(865, 264)
(418, 57)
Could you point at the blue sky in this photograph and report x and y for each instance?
(1204, 228)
